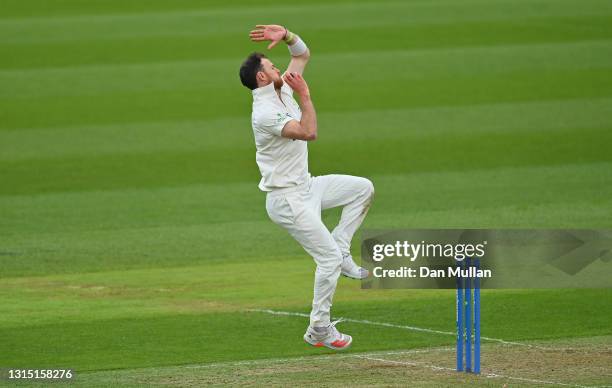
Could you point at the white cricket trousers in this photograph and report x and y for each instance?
(298, 210)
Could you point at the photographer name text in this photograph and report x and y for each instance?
(425, 272)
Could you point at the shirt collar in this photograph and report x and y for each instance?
(264, 92)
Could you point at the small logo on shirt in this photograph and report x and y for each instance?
(282, 116)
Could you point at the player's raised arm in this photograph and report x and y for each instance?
(275, 34)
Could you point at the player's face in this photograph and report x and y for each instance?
(271, 73)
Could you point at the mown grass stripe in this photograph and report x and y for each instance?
(391, 124)
(417, 64)
(439, 10)
(135, 49)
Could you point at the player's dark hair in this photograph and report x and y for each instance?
(249, 69)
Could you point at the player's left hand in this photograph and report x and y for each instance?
(297, 83)
(271, 32)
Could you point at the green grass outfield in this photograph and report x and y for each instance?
(134, 243)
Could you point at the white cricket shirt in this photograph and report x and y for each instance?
(282, 162)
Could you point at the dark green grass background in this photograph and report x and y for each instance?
(132, 232)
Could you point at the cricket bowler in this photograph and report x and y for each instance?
(294, 199)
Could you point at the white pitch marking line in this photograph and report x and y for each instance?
(488, 375)
(364, 321)
(413, 328)
(421, 329)
(269, 361)
(411, 363)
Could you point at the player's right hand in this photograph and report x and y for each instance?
(271, 32)
(297, 83)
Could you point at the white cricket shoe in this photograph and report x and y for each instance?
(328, 336)
(352, 270)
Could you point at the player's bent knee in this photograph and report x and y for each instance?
(368, 187)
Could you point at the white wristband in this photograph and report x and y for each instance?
(298, 48)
